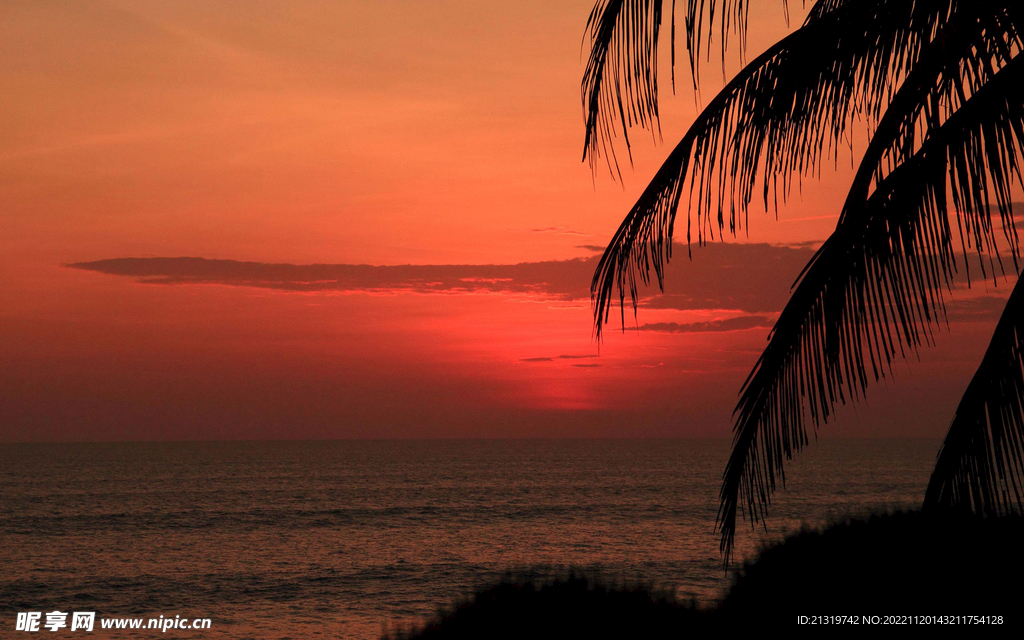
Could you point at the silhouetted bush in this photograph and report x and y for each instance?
(568, 607)
(895, 564)
(902, 564)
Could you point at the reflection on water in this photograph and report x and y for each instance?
(336, 538)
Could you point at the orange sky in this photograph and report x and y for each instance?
(361, 132)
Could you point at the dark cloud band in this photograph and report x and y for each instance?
(747, 277)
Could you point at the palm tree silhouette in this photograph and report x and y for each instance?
(940, 85)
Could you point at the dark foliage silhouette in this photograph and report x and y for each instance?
(940, 87)
(572, 606)
(918, 563)
(915, 563)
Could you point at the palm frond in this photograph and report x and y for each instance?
(873, 291)
(620, 84)
(979, 466)
(622, 73)
(776, 119)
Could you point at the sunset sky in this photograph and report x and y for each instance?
(439, 142)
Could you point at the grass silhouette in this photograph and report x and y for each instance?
(895, 564)
(571, 606)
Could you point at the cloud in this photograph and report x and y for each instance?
(740, 323)
(591, 247)
(562, 357)
(1016, 209)
(563, 231)
(806, 244)
(977, 308)
(754, 278)
(562, 279)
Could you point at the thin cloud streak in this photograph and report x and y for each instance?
(741, 323)
(552, 359)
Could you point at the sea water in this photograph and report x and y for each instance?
(342, 538)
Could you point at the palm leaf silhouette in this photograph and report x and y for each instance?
(940, 87)
(980, 465)
(778, 116)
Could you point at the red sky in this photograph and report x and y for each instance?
(364, 132)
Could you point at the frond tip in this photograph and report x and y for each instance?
(620, 84)
(979, 468)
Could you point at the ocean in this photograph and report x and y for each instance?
(340, 539)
